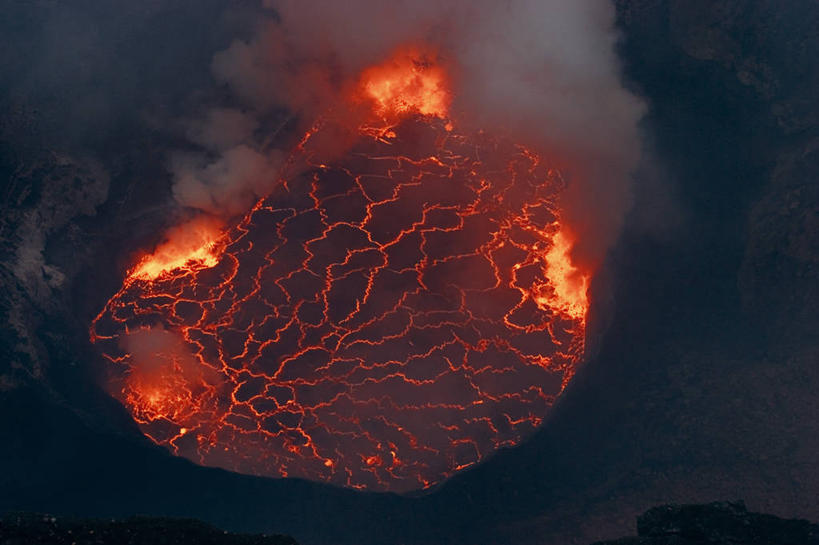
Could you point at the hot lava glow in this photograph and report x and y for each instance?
(408, 83)
(193, 244)
(378, 321)
(568, 286)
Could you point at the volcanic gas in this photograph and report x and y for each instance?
(382, 319)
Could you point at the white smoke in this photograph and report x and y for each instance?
(544, 70)
(232, 173)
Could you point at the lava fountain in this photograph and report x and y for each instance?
(384, 318)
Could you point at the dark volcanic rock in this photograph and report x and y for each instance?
(19, 529)
(779, 277)
(717, 523)
(769, 47)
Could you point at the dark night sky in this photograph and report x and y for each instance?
(702, 385)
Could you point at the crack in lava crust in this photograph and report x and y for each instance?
(379, 321)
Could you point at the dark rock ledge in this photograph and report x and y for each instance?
(717, 523)
(30, 529)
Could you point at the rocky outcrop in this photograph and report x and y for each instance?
(717, 523)
(43, 200)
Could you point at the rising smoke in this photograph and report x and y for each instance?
(235, 170)
(543, 70)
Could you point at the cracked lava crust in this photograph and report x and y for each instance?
(381, 320)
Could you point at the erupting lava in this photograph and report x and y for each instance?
(378, 321)
(192, 244)
(408, 83)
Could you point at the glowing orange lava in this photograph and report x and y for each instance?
(189, 245)
(568, 285)
(380, 320)
(407, 83)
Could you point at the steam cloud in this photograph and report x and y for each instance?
(543, 70)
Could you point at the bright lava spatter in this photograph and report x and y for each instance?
(380, 321)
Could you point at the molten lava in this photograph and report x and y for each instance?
(193, 244)
(378, 321)
(568, 286)
(407, 83)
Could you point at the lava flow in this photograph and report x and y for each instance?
(380, 320)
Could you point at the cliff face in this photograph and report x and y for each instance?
(770, 49)
(768, 46)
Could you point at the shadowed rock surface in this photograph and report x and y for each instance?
(29, 529)
(717, 523)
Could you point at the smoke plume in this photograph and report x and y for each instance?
(232, 173)
(543, 70)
